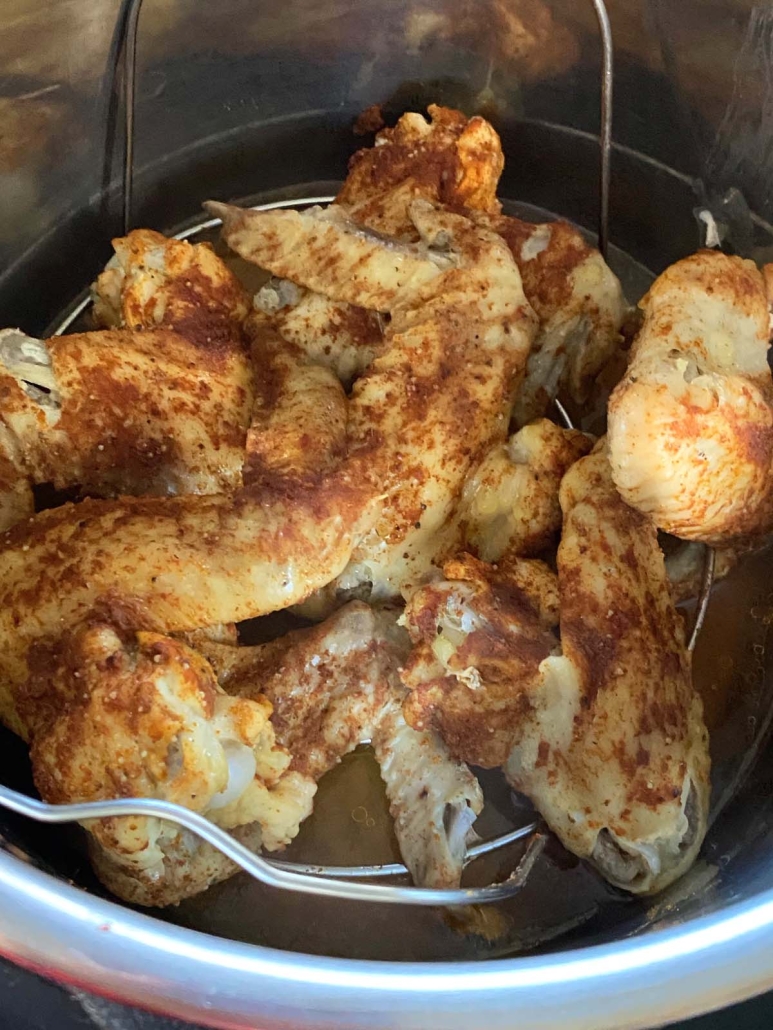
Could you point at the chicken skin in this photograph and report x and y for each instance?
(580, 306)
(691, 423)
(113, 712)
(510, 501)
(187, 561)
(602, 730)
(438, 397)
(121, 411)
(337, 684)
(342, 337)
(153, 281)
(451, 160)
(456, 162)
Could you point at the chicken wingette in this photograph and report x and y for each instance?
(691, 422)
(342, 337)
(120, 411)
(453, 161)
(439, 396)
(580, 306)
(188, 561)
(603, 729)
(450, 160)
(337, 684)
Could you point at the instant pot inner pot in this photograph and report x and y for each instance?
(550, 171)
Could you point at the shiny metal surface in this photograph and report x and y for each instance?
(283, 876)
(250, 99)
(630, 984)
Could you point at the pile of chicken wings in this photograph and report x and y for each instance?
(368, 441)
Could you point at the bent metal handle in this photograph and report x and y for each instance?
(265, 871)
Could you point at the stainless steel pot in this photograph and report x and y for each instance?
(245, 99)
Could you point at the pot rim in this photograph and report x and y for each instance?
(67, 934)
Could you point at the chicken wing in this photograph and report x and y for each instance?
(580, 305)
(327, 684)
(324, 250)
(126, 412)
(188, 561)
(152, 281)
(433, 799)
(438, 397)
(576, 296)
(113, 712)
(452, 161)
(605, 733)
(299, 420)
(337, 684)
(691, 423)
(342, 337)
(510, 501)
(456, 162)
(481, 633)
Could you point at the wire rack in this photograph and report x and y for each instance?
(353, 883)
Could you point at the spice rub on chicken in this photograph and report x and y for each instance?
(121, 411)
(153, 281)
(691, 422)
(337, 684)
(601, 728)
(438, 397)
(112, 712)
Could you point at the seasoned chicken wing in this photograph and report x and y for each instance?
(116, 713)
(342, 337)
(337, 684)
(604, 732)
(433, 799)
(510, 501)
(456, 162)
(691, 423)
(452, 161)
(438, 397)
(580, 305)
(324, 250)
(480, 633)
(125, 412)
(327, 684)
(155, 281)
(576, 296)
(190, 867)
(187, 561)
(299, 420)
